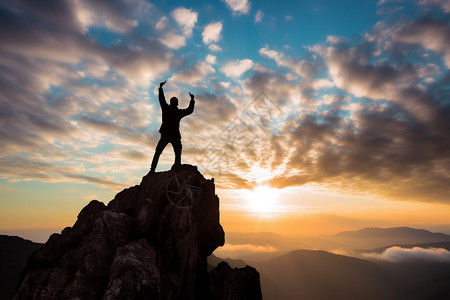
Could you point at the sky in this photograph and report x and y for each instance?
(312, 116)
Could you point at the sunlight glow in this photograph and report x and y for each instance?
(262, 199)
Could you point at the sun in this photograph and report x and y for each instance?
(262, 199)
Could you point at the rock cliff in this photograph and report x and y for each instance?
(150, 242)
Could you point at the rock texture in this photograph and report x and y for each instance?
(237, 283)
(150, 242)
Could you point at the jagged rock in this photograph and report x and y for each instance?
(150, 242)
(237, 283)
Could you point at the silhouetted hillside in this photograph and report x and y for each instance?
(308, 274)
(14, 253)
(213, 261)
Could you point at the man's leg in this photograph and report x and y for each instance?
(159, 149)
(176, 144)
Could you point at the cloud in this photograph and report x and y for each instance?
(443, 4)
(398, 254)
(67, 45)
(186, 18)
(258, 16)
(174, 41)
(19, 168)
(211, 33)
(276, 85)
(221, 86)
(376, 153)
(350, 70)
(238, 6)
(247, 248)
(162, 23)
(214, 110)
(214, 47)
(195, 74)
(211, 59)
(237, 67)
(303, 68)
(108, 14)
(135, 155)
(432, 34)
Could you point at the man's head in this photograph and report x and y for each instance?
(174, 102)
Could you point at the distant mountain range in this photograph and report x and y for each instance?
(373, 237)
(364, 239)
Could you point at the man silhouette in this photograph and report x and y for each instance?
(170, 127)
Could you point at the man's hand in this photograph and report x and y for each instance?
(162, 83)
(192, 96)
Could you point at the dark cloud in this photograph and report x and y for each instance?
(430, 33)
(275, 85)
(214, 110)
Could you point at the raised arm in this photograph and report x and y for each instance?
(162, 98)
(190, 109)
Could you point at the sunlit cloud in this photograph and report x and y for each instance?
(173, 40)
(237, 68)
(186, 18)
(162, 23)
(303, 68)
(238, 6)
(214, 47)
(212, 33)
(211, 59)
(194, 74)
(399, 254)
(247, 248)
(102, 14)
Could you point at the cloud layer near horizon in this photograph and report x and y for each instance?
(399, 254)
(363, 115)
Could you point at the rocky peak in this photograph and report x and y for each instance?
(150, 242)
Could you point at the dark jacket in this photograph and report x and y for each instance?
(171, 117)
